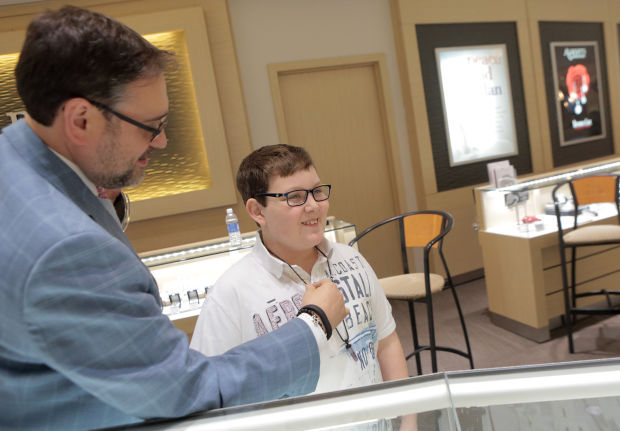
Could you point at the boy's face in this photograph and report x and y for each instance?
(289, 230)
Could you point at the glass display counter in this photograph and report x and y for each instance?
(526, 209)
(184, 274)
(518, 236)
(575, 396)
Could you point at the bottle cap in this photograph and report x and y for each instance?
(229, 210)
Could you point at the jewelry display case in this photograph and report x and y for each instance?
(184, 274)
(518, 235)
(568, 396)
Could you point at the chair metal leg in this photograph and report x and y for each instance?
(450, 284)
(567, 300)
(458, 307)
(569, 332)
(431, 332)
(573, 276)
(414, 333)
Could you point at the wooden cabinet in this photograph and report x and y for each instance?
(522, 260)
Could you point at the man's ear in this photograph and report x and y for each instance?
(78, 115)
(255, 209)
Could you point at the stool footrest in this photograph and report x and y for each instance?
(440, 348)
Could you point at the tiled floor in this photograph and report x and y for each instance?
(493, 346)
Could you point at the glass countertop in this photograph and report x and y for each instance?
(583, 395)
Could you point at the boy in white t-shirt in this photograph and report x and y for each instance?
(285, 197)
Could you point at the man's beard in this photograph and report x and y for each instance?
(120, 181)
(107, 153)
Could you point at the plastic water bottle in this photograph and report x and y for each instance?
(232, 224)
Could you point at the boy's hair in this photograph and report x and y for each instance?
(260, 165)
(74, 52)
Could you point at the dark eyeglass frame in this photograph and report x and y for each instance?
(155, 131)
(308, 191)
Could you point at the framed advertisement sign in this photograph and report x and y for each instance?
(473, 91)
(477, 103)
(576, 80)
(575, 70)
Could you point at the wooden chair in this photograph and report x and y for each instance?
(584, 191)
(426, 230)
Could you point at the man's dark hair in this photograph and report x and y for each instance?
(260, 165)
(74, 52)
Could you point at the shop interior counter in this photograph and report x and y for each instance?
(571, 396)
(519, 241)
(184, 274)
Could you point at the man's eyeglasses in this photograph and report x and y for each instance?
(155, 131)
(295, 198)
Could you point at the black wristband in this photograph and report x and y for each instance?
(319, 312)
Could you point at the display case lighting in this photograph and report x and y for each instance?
(248, 239)
(567, 175)
(192, 252)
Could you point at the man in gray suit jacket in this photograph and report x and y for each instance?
(83, 342)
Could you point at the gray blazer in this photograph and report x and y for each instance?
(83, 342)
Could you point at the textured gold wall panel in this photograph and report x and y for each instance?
(183, 165)
(8, 92)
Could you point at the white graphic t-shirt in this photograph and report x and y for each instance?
(260, 293)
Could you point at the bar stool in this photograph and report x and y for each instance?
(584, 191)
(426, 230)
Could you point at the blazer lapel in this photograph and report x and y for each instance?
(62, 177)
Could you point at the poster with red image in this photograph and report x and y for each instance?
(579, 100)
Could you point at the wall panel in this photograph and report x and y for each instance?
(337, 109)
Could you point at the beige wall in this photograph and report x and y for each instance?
(278, 31)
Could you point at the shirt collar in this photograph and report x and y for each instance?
(75, 168)
(277, 267)
(270, 263)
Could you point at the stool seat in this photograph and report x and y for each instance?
(410, 286)
(599, 234)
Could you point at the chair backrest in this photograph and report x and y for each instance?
(588, 190)
(595, 189)
(424, 229)
(420, 228)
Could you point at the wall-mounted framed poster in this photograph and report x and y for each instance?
(579, 102)
(477, 103)
(575, 69)
(473, 90)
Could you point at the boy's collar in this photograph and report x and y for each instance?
(276, 266)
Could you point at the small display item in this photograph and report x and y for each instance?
(566, 208)
(192, 296)
(513, 198)
(175, 300)
(533, 226)
(530, 219)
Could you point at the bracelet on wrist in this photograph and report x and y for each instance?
(317, 320)
(314, 311)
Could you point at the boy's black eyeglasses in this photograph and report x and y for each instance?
(295, 198)
(155, 131)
